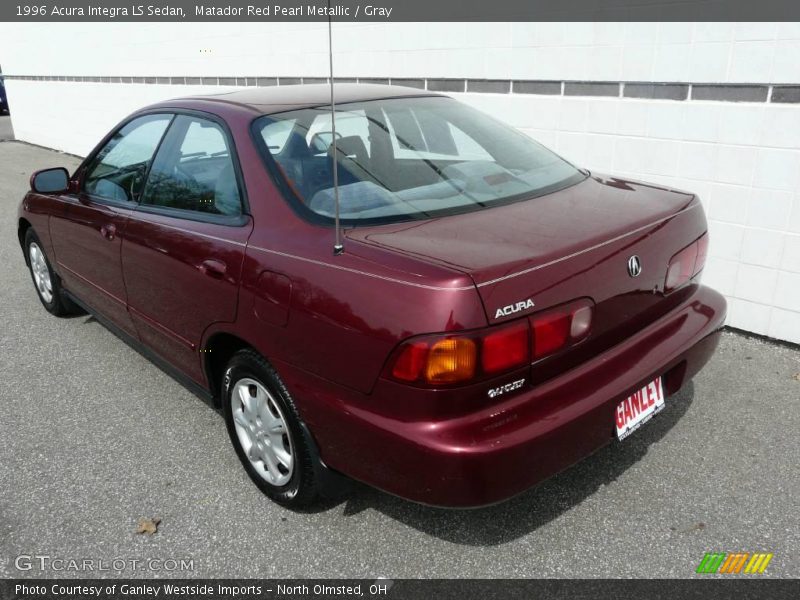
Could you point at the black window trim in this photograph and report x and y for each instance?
(189, 215)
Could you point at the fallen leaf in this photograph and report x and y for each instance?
(148, 526)
(695, 527)
(796, 376)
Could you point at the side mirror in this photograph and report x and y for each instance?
(50, 181)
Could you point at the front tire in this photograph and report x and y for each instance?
(267, 433)
(47, 284)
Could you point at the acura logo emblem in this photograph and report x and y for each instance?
(634, 266)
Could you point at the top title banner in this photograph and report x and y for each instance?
(401, 10)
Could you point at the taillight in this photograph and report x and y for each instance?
(461, 358)
(410, 361)
(560, 327)
(686, 264)
(443, 360)
(447, 359)
(451, 360)
(581, 321)
(507, 348)
(550, 333)
(702, 253)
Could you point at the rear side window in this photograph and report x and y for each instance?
(117, 172)
(194, 170)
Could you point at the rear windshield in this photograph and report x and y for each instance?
(406, 158)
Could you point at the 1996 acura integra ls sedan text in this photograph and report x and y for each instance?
(497, 313)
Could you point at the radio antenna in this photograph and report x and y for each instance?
(338, 247)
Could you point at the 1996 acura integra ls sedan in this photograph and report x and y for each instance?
(497, 313)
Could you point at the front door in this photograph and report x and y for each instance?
(184, 245)
(87, 234)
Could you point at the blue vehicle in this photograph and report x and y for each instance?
(3, 99)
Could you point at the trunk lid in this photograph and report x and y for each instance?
(555, 248)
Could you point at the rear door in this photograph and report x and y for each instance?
(88, 233)
(184, 245)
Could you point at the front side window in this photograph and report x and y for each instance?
(194, 170)
(407, 158)
(117, 172)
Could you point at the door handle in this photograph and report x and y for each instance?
(213, 268)
(109, 231)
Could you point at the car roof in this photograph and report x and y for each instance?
(275, 99)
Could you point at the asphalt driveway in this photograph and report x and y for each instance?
(94, 437)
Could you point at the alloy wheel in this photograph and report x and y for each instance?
(262, 431)
(41, 272)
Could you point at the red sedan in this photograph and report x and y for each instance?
(496, 314)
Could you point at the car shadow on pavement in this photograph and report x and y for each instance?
(523, 514)
(6, 129)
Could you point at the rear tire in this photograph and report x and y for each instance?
(47, 284)
(267, 433)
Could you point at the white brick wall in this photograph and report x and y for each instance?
(738, 157)
(742, 158)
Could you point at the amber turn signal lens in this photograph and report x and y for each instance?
(451, 360)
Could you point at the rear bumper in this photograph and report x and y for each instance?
(494, 453)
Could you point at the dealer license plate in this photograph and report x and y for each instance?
(638, 408)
